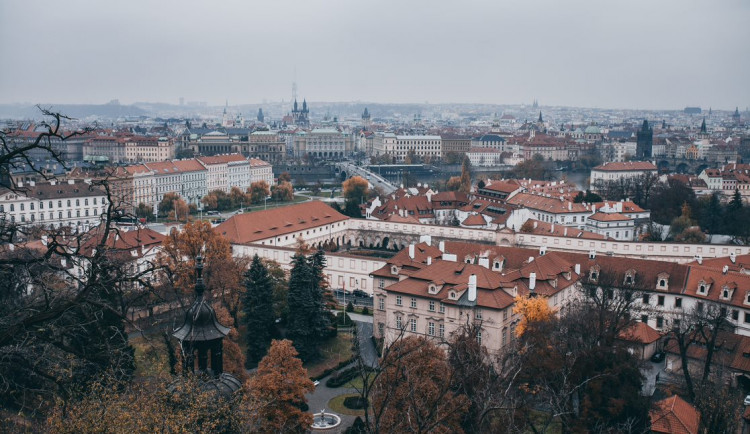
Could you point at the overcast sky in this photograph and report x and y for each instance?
(612, 54)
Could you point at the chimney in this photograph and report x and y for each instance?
(593, 208)
(535, 224)
(570, 206)
(429, 260)
(542, 250)
(725, 270)
(531, 259)
(53, 183)
(32, 183)
(441, 246)
(484, 262)
(450, 257)
(565, 231)
(427, 239)
(71, 182)
(411, 251)
(578, 269)
(699, 259)
(552, 228)
(473, 287)
(733, 257)
(532, 281)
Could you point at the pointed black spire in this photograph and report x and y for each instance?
(540, 117)
(703, 126)
(304, 105)
(261, 118)
(295, 105)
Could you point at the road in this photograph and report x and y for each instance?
(373, 178)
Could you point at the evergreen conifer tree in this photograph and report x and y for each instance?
(308, 322)
(258, 308)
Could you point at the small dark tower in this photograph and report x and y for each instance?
(366, 123)
(703, 126)
(201, 335)
(644, 141)
(261, 118)
(541, 121)
(736, 116)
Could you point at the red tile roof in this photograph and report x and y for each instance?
(249, 227)
(625, 166)
(640, 332)
(674, 415)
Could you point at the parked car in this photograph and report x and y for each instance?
(360, 293)
(212, 213)
(658, 357)
(747, 400)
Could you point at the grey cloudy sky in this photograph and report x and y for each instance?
(595, 53)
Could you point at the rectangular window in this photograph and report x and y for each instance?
(441, 330)
(660, 300)
(413, 325)
(505, 336)
(645, 299)
(478, 314)
(381, 303)
(678, 302)
(505, 314)
(398, 300)
(747, 317)
(676, 323)
(398, 322)
(413, 303)
(432, 305)
(441, 309)
(659, 322)
(381, 283)
(479, 337)
(735, 314)
(431, 328)
(644, 319)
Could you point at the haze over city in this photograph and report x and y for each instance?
(635, 54)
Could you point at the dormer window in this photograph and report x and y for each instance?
(594, 274)
(394, 269)
(452, 295)
(662, 283)
(747, 298)
(702, 288)
(496, 265)
(629, 277)
(432, 288)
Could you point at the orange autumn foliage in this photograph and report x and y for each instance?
(532, 310)
(234, 357)
(413, 392)
(279, 387)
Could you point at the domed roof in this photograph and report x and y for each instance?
(592, 129)
(200, 324)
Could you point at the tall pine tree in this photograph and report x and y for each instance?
(307, 322)
(258, 309)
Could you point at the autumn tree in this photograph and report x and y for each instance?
(238, 198)
(233, 357)
(465, 176)
(453, 183)
(307, 323)
(285, 177)
(144, 211)
(153, 405)
(63, 303)
(532, 310)
(279, 387)
(283, 192)
(222, 273)
(258, 191)
(259, 315)
(355, 189)
(413, 391)
(167, 204)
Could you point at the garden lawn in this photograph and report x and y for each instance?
(333, 352)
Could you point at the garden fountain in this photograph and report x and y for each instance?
(325, 421)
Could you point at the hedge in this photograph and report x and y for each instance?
(342, 377)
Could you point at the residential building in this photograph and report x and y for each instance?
(609, 172)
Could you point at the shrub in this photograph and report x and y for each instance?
(350, 307)
(365, 311)
(342, 377)
(358, 427)
(355, 402)
(345, 322)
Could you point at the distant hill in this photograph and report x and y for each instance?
(79, 111)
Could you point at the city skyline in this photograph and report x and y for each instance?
(627, 56)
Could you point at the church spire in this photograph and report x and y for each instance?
(703, 126)
(540, 117)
